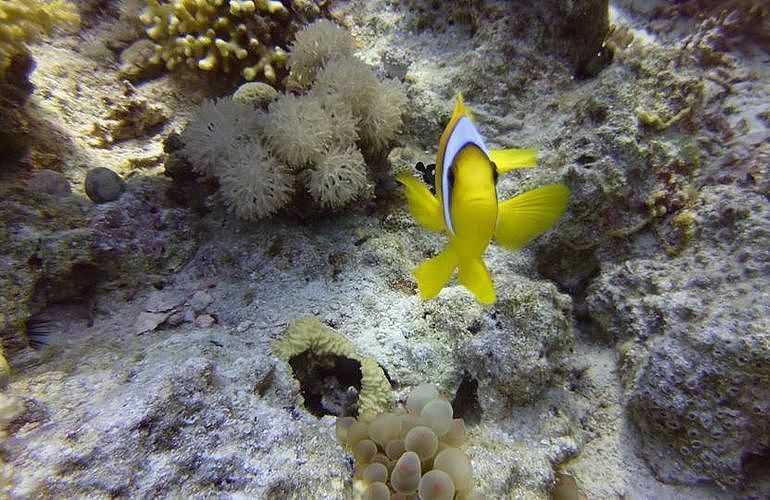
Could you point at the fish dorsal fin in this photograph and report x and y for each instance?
(459, 108)
(510, 159)
(462, 110)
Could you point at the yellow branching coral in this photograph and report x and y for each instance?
(220, 35)
(23, 21)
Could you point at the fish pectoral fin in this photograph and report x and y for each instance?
(425, 208)
(528, 215)
(475, 277)
(433, 274)
(510, 159)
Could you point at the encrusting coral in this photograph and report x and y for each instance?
(412, 451)
(23, 21)
(319, 136)
(309, 335)
(245, 36)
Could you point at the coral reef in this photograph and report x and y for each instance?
(246, 38)
(627, 355)
(320, 346)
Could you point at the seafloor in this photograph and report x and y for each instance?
(628, 353)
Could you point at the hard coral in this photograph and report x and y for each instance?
(23, 21)
(220, 35)
(311, 336)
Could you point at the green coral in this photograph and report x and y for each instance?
(23, 21)
(246, 36)
(310, 334)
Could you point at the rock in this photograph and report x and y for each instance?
(694, 342)
(243, 326)
(204, 321)
(200, 301)
(577, 29)
(50, 182)
(162, 301)
(142, 233)
(515, 362)
(176, 318)
(135, 61)
(103, 185)
(147, 321)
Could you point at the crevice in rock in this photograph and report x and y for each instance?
(756, 467)
(465, 404)
(573, 274)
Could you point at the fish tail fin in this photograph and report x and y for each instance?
(425, 207)
(475, 277)
(528, 215)
(433, 274)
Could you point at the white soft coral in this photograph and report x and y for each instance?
(339, 178)
(216, 129)
(253, 184)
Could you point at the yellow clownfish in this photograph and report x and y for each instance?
(466, 207)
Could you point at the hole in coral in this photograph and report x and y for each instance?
(330, 384)
(466, 402)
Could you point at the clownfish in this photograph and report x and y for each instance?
(466, 208)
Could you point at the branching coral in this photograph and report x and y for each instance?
(23, 21)
(220, 35)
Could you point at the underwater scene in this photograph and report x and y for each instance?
(383, 249)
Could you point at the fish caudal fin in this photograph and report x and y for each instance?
(475, 277)
(433, 274)
(425, 208)
(528, 215)
(510, 159)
